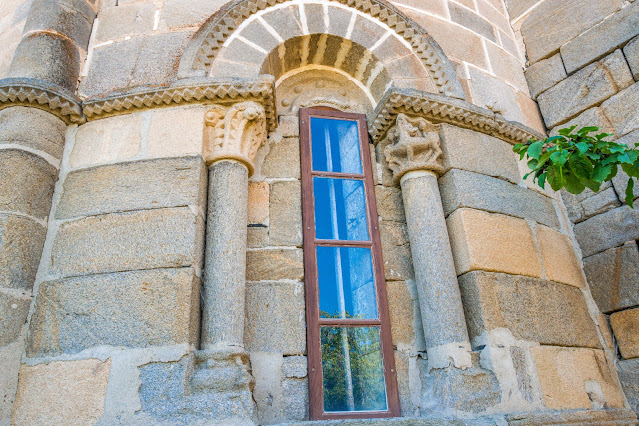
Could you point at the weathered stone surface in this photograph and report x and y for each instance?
(492, 242)
(10, 360)
(283, 160)
(476, 152)
(167, 138)
(21, 242)
(588, 86)
(606, 230)
(472, 21)
(402, 367)
(395, 251)
(590, 117)
(14, 306)
(621, 110)
(295, 366)
(267, 393)
(628, 371)
(460, 188)
(516, 8)
(285, 217)
(130, 309)
(257, 236)
(258, 202)
(631, 52)
(289, 126)
(125, 20)
(600, 203)
(532, 309)
(72, 18)
(274, 264)
(494, 94)
(625, 325)
(553, 23)
(62, 392)
(127, 241)
(545, 74)
(389, 203)
(33, 128)
(558, 255)
(187, 13)
(576, 378)
(133, 186)
(602, 38)
(505, 66)
(296, 399)
(401, 308)
(26, 183)
(275, 320)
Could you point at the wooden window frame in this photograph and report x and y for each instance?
(313, 320)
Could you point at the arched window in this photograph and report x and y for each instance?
(350, 352)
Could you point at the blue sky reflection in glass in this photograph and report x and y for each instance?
(335, 145)
(340, 209)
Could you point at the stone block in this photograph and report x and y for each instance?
(72, 18)
(621, 110)
(116, 22)
(532, 309)
(274, 264)
(516, 8)
(33, 128)
(26, 183)
(620, 181)
(286, 21)
(390, 205)
(573, 378)
(396, 253)
(530, 111)
(472, 21)
(438, 7)
(625, 325)
(62, 392)
(558, 255)
(477, 152)
(275, 320)
(506, 66)
(602, 38)
(295, 366)
(283, 160)
(167, 138)
(494, 94)
(493, 11)
(365, 32)
(187, 13)
(159, 238)
(289, 126)
(554, 23)
(137, 185)
(587, 87)
(49, 57)
(460, 188)
(545, 74)
(509, 44)
(492, 242)
(21, 242)
(285, 216)
(600, 203)
(107, 140)
(590, 117)
(401, 308)
(257, 236)
(10, 360)
(606, 230)
(628, 371)
(14, 306)
(631, 52)
(296, 399)
(124, 309)
(258, 202)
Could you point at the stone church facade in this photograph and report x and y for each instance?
(161, 217)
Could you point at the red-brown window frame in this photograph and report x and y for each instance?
(313, 320)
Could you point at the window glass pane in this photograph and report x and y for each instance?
(346, 284)
(340, 209)
(335, 145)
(352, 369)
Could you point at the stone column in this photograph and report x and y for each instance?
(233, 137)
(413, 154)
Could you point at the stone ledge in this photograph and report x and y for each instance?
(442, 109)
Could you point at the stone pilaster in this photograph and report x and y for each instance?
(413, 154)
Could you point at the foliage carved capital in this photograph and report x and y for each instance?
(234, 133)
(413, 144)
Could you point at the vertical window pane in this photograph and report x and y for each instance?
(346, 284)
(335, 145)
(352, 369)
(340, 209)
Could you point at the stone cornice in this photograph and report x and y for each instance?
(442, 109)
(203, 91)
(42, 95)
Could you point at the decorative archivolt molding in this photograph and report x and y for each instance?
(42, 95)
(235, 133)
(260, 90)
(213, 34)
(442, 109)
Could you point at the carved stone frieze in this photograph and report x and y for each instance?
(413, 144)
(442, 109)
(234, 133)
(43, 95)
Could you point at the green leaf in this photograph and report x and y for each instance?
(574, 185)
(580, 166)
(541, 181)
(630, 170)
(568, 131)
(630, 196)
(582, 147)
(555, 178)
(559, 157)
(534, 150)
(586, 130)
(591, 184)
(612, 174)
(600, 172)
(532, 164)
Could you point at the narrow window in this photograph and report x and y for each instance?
(350, 352)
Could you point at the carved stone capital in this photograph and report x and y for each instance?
(234, 133)
(413, 144)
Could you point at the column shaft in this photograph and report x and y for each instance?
(225, 257)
